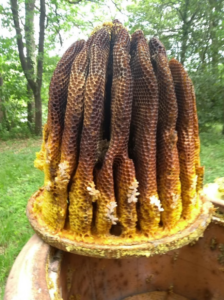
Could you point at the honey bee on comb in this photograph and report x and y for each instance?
(120, 150)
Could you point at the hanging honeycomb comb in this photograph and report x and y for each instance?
(120, 150)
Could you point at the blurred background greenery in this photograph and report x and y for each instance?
(33, 36)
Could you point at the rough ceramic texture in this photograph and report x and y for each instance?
(194, 272)
(27, 278)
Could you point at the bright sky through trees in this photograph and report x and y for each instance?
(90, 12)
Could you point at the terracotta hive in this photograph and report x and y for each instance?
(121, 147)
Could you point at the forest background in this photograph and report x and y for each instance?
(35, 33)
(33, 36)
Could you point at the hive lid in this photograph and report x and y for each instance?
(116, 247)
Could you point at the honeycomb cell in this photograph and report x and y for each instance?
(83, 192)
(198, 168)
(117, 167)
(168, 168)
(50, 153)
(58, 93)
(72, 128)
(143, 132)
(186, 136)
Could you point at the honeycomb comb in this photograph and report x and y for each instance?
(186, 136)
(168, 169)
(144, 126)
(120, 151)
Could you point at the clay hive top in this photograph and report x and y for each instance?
(120, 150)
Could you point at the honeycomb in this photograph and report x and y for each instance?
(168, 166)
(188, 144)
(121, 146)
(145, 111)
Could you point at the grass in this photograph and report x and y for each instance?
(212, 155)
(19, 179)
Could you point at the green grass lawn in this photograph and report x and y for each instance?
(212, 155)
(19, 180)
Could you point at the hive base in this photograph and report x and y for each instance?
(194, 272)
(117, 247)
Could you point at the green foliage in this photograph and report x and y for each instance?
(62, 20)
(192, 32)
(19, 180)
(169, 20)
(14, 91)
(209, 90)
(212, 154)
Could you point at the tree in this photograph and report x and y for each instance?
(14, 90)
(1, 106)
(30, 49)
(55, 19)
(34, 78)
(176, 22)
(192, 32)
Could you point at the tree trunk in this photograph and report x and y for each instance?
(38, 113)
(215, 8)
(34, 77)
(37, 95)
(1, 104)
(223, 114)
(184, 44)
(185, 29)
(30, 49)
(30, 109)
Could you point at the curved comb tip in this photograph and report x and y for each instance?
(174, 61)
(137, 35)
(156, 46)
(116, 22)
